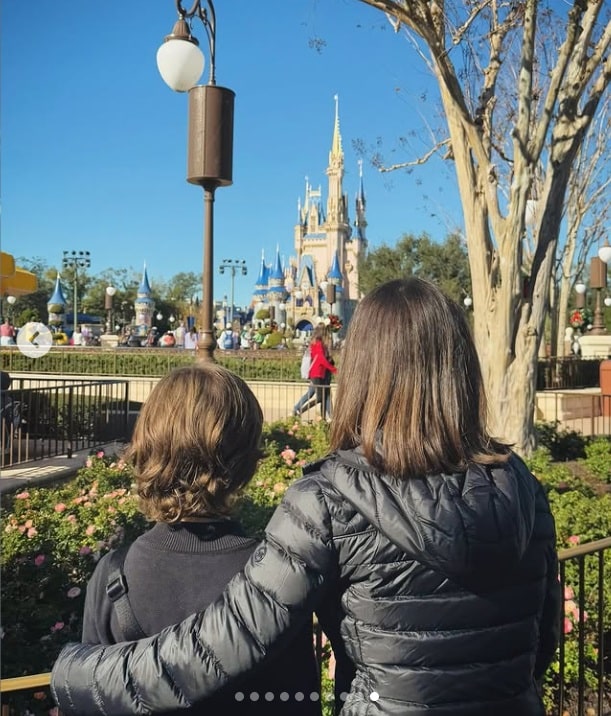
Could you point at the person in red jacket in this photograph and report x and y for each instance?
(321, 369)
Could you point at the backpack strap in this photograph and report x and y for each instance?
(117, 589)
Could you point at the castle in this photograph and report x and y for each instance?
(322, 278)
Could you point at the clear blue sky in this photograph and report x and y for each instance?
(94, 143)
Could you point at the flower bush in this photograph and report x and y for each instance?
(335, 323)
(580, 319)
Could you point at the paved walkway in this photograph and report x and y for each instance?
(52, 469)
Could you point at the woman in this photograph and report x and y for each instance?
(7, 333)
(191, 339)
(319, 374)
(188, 473)
(428, 542)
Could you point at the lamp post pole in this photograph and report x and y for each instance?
(233, 266)
(210, 137)
(76, 260)
(110, 292)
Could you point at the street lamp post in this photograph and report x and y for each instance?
(110, 292)
(11, 302)
(233, 266)
(76, 260)
(210, 140)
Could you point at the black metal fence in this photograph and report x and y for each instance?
(568, 373)
(583, 684)
(44, 417)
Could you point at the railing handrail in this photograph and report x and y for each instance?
(583, 549)
(25, 683)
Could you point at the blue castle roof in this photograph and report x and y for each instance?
(334, 271)
(57, 297)
(144, 289)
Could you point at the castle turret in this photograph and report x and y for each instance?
(261, 284)
(361, 203)
(56, 305)
(144, 306)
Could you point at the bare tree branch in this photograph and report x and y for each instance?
(556, 81)
(461, 31)
(417, 162)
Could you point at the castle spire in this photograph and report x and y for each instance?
(336, 155)
(145, 288)
(361, 221)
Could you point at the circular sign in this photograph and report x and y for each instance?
(34, 339)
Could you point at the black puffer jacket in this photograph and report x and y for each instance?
(444, 591)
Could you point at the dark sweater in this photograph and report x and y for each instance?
(173, 571)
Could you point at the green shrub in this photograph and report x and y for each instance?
(555, 476)
(563, 444)
(598, 458)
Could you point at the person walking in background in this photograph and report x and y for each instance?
(191, 339)
(321, 369)
(303, 403)
(179, 334)
(189, 470)
(426, 538)
(225, 340)
(7, 333)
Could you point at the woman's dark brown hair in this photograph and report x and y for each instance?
(196, 443)
(410, 387)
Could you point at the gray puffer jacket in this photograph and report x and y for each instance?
(441, 591)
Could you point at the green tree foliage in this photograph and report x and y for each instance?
(184, 285)
(33, 306)
(446, 264)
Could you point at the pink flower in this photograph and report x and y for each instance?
(22, 496)
(32, 532)
(84, 550)
(71, 519)
(28, 524)
(88, 462)
(569, 593)
(39, 560)
(100, 454)
(73, 592)
(288, 455)
(59, 507)
(58, 626)
(90, 530)
(568, 626)
(573, 539)
(570, 608)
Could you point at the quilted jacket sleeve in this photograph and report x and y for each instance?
(259, 610)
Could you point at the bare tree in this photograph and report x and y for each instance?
(498, 157)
